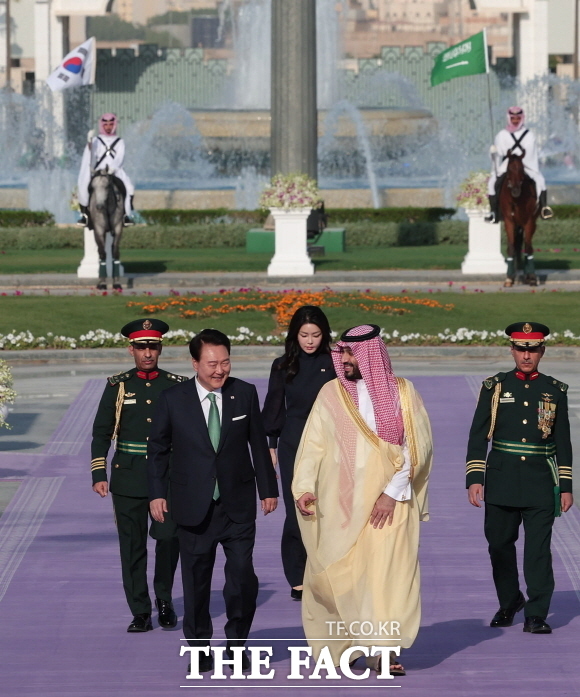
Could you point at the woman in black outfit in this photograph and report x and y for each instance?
(295, 380)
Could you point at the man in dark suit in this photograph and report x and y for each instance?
(206, 424)
(527, 474)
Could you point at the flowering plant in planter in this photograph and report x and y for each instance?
(291, 191)
(7, 394)
(472, 194)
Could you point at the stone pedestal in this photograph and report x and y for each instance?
(484, 253)
(89, 266)
(290, 256)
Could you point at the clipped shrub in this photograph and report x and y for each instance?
(566, 212)
(24, 218)
(192, 217)
(186, 236)
(405, 234)
(388, 215)
(558, 230)
(336, 216)
(358, 234)
(48, 237)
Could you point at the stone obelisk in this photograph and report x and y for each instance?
(294, 135)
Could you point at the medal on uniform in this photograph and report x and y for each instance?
(546, 415)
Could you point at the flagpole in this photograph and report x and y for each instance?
(488, 86)
(489, 103)
(8, 48)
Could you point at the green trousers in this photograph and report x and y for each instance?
(132, 517)
(502, 525)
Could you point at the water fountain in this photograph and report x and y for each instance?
(219, 156)
(34, 157)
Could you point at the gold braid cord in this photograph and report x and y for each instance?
(410, 435)
(494, 406)
(118, 408)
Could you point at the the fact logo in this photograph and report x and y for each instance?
(302, 665)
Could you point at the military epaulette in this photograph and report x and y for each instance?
(177, 378)
(491, 382)
(119, 377)
(561, 385)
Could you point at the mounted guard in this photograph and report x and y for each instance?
(104, 152)
(515, 139)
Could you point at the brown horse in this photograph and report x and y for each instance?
(519, 211)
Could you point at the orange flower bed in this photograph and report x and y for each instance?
(283, 304)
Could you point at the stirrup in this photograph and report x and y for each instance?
(546, 213)
(490, 217)
(128, 221)
(83, 221)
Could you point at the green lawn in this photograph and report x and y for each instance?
(14, 261)
(75, 315)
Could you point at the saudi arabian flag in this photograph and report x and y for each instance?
(466, 58)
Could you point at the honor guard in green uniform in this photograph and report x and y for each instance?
(526, 476)
(124, 415)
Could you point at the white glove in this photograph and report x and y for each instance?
(90, 136)
(493, 150)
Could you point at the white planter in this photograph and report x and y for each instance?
(89, 266)
(290, 255)
(484, 253)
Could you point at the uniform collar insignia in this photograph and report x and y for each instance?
(527, 376)
(147, 376)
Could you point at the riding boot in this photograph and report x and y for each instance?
(545, 211)
(492, 216)
(83, 221)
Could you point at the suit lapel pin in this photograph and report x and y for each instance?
(323, 370)
(233, 397)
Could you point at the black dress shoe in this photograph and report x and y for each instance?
(505, 618)
(536, 625)
(245, 659)
(140, 623)
(205, 664)
(296, 594)
(167, 617)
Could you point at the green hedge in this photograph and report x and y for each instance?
(41, 238)
(566, 212)
(336, 216)
(405, 234)
(170, 218)
(149, 237)
(358, 234)
(24, 218)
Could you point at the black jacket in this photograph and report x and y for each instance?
(179, 429)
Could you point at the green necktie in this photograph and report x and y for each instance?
(214, 428)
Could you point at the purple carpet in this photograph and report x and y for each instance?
(63, 613)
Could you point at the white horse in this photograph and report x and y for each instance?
(106, 209)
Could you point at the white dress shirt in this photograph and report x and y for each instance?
(399, 488)
(205, 402)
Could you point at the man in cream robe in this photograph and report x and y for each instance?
(360, 482)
